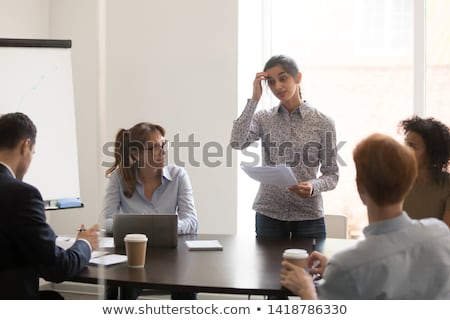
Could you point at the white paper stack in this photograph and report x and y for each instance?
(202, 245)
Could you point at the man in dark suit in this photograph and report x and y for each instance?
(27, 243)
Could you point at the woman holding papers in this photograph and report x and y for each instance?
(296, 135)
(141, 182)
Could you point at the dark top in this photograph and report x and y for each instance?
(27, 243)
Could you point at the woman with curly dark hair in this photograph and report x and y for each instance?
(430, 194)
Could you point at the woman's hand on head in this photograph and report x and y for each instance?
(257, 85)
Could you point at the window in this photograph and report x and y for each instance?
(438, 60)
(383, 27)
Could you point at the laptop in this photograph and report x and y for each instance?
(161, 229)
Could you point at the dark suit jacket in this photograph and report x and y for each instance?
(27, 243)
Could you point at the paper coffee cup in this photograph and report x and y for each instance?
(136, 249)
(296, 256)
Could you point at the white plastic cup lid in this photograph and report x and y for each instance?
(135, 237)
(295, 254)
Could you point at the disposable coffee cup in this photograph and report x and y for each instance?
(298, 257)
(136, 249)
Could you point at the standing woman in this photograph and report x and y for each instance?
(139, 181)
(294, 134)
(430, 194)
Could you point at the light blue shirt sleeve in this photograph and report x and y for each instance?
(187, 215)
(174, 195)
(111, 201)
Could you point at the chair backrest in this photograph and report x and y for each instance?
(336, 225)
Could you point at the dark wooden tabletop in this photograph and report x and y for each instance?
(246, 265)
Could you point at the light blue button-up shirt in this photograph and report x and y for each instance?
(401, 258)
(174, 195)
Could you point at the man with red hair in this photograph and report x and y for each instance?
(400, 258)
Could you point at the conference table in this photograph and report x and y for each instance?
(246, 265)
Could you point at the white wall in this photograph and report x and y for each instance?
(78, 20)
(24, 19)
(173, 62)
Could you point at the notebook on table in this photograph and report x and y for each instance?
(161, 229)
(203, 245)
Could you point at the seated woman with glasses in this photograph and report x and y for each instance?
(140, 181)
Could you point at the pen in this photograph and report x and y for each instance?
(314, 244)
(99, 230)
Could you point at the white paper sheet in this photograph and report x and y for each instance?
(281, 176)
(66, 242)
(109, 259)
(201, 245)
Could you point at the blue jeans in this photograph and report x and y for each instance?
(272, 228)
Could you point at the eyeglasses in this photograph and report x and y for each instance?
(157, 147)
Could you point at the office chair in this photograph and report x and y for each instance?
(336, 226)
